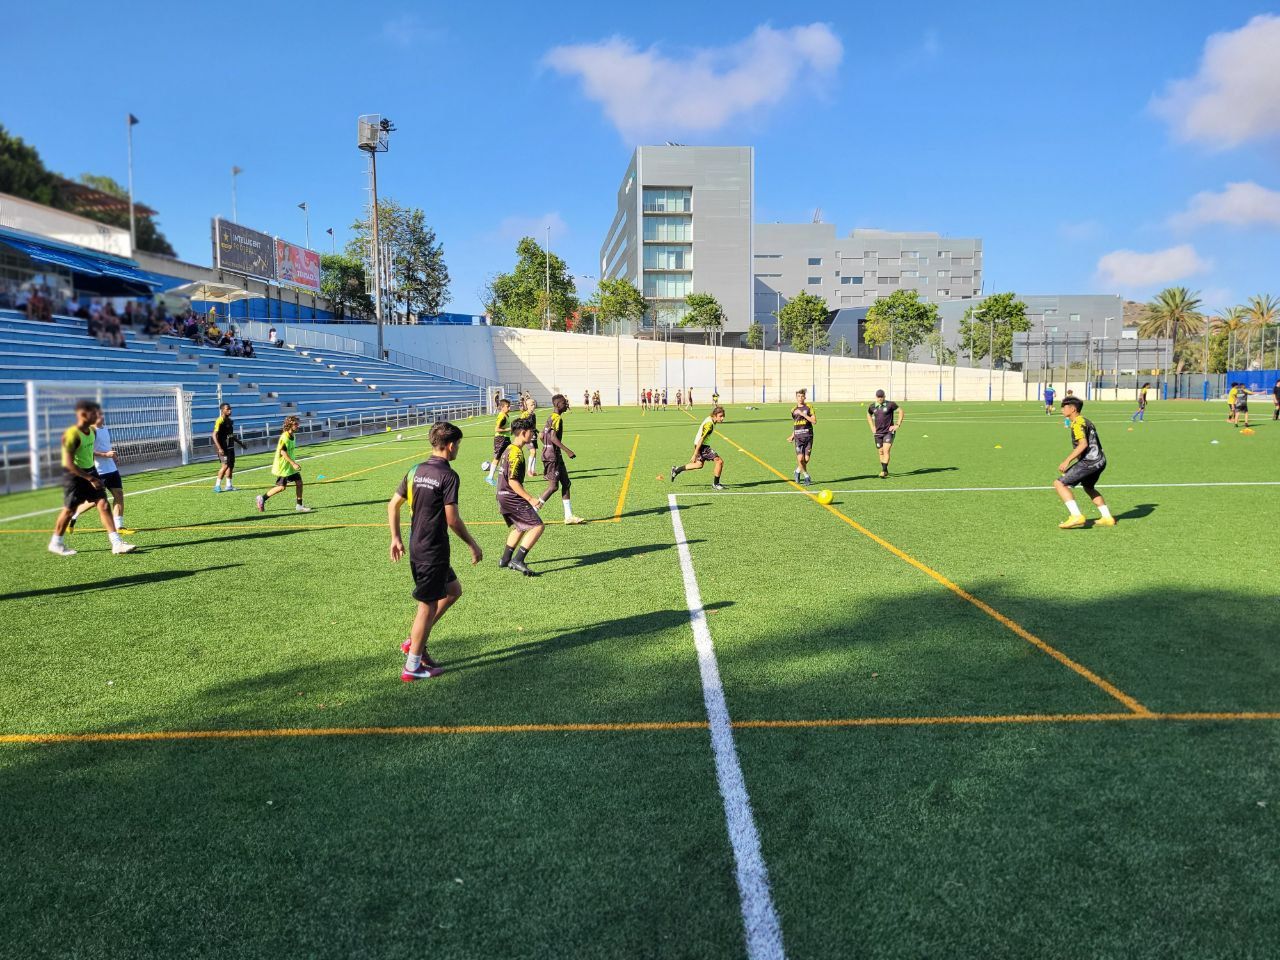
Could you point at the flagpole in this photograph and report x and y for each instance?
(133, 226)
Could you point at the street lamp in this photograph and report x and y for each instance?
(306, 212)
(373, 133)
(235, 172)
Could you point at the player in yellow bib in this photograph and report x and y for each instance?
(702, 450)
(81, 483)
(285, 468)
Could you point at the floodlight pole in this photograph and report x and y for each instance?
(374, 252)
(133, 225)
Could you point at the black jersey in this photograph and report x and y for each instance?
(882, 415)
(429, 487)
(1083, 429)
(554, 428)
(224, 430)
(798, 422)
(512, 467)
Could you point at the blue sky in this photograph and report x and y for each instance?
(1096, 147)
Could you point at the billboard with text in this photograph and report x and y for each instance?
(242, 250)
(297, 266)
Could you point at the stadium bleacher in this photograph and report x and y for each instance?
(320, 386)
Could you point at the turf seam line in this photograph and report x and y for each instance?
(626, 482)
(759, 917)
(959, 591)
(792, 493)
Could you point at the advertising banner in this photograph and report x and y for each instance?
(297, 266)
(242, 250)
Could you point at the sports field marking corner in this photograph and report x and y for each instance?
(626, 483)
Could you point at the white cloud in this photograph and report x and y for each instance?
(645, 92)
(514, 228)
(1235, 95)
(1130, 269)
(1237, 204)
(408, 30)
(1079, 230)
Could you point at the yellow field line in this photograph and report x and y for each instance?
(626, 482)
(660, 726)
(1109, 688)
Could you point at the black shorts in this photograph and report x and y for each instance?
(285, 481)
(432, 583)
(884, 440)
(557, 474)
(1083, 472)
(804, 443)
(1242, 407)
(500, 442)
(518, 513)
(706, 454)
(228, 458)
(77, 490)
(111, 481)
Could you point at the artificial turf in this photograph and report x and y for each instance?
(1047, 837)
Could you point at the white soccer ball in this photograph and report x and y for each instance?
(484, 467)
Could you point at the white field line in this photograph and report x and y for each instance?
(760, 919)
(205, 479)
(1109, 486)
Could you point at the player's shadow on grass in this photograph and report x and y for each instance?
(604, 556)
(650, 511)
(918, 472)
(624, 629)
(114, 583)
(237, 537)
(1138, 511)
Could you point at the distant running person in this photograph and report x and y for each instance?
(884, 417)
(531, 414)
(1083, 466)
(514, 502)
(1049, 394)
(431, 490)
(702, 451)
(553, 453)
(501, 437)
(224, 444)
(1141, 413)
(803, 421)
(285, 468)
(80, 483)
(1242, 404)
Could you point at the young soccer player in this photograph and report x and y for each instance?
(104, 462)
(1242, 404)
(1275, 401)
(1066, 421)
(553, 453)
(285, 468)
(431, 490)
(224, 442)
(688, 399)
(664, 399)
(679, 399)
(1049, 394)
(501, 437)
(803, 421)
(702, 452)
(80, 483)
(1141, 413)
(515, 504)
(1231, 403)
(586, 400)
(884, 427)
(531, 414)
(1089, 462)
(715, 398)
(595, 402)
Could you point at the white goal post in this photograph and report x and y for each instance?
(150, 424)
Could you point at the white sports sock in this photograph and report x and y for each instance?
(568, 508)
(55, 541)
(412, 663)
(1073, 508)
(120, 524)
(1105, 511)
(113, 537)
(217, 485)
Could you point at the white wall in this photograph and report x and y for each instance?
(466, 348)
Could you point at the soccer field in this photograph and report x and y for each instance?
(922, 721)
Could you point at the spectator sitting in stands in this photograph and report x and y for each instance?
(112, 332)
(130, 314)
(190, 328)
(82, 312)
(274, 340)
(39, 307)
(248, 349)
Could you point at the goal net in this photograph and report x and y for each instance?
(150, 424)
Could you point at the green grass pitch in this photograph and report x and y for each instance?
(963, 732)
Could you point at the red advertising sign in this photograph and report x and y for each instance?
(297, 266)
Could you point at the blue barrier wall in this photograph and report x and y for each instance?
(1258, 381)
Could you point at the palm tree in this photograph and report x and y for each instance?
(1174, 314)
(1262, 312)
(1231, 321)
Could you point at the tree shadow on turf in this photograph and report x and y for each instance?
(604, 556)
(635, 627)
(114, 583)
(1138, 511)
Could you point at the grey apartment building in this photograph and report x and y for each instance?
(854, 271)
(683, 225)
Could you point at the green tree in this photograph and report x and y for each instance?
(617, 300)
(900, 319)
(705, 313)
(1263, 310)
(1173, 314)
(941, 352)
(518, 298)
(843, 347)
(993, 322)
(343, 283)
(803, 321)
(150, 238)
(755, 336)
(420, 277)
(23, 174)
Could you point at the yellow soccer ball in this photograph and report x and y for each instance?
(825, 497)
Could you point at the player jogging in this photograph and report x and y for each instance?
(1242, 404)
(285, 468)
(104, 462)
(515, 504)
(702, 452)
(664, 399)
(1141, 413)
(224, 443)
(803, 420)
(80, 482)
(501, 437)
(595, 402)
(884, 428)
(531, 414)
(431, 490)
(553, 454)
(1089, 462)
(1231, 403)
(1049, 394)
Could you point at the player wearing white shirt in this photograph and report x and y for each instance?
(104, 462)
